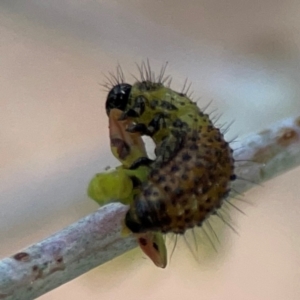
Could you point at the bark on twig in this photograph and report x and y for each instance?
(96, 238)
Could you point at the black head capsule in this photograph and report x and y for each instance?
(134, 225)
(118, 97)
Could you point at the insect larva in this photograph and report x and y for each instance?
(190, 177)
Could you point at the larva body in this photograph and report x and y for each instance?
(191, 174)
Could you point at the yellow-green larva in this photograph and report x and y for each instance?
(191, 175)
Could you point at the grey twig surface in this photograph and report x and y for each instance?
(96, 238)
(268, 153)
(67, 254)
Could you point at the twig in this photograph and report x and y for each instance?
(65, 255)
(96, 238)
(267, 154)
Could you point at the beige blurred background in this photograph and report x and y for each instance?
(243, 55)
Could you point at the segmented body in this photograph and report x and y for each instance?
(191, 174)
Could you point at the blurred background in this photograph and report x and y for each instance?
(54, 55)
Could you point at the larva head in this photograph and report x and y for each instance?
(132, 223)
(118, 97)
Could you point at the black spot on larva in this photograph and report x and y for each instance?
(147, 192)
(155, 246)
(184, 177)
(167, 189)
(131, 113)
(194, 147)
(153, 104)
(187, 211)
(197, 181)
(146, 86)
(186, 156)
(178, 123)
(174, 168)
(187, 220)
(167, 105)
(205, 190)
(123, 148)
(178, 192)
(155, 194)
(201, 208)
(161, 179)
(140, 104)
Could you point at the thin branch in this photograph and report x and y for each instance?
(96, 238)
(65, 255)
(267, 154)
